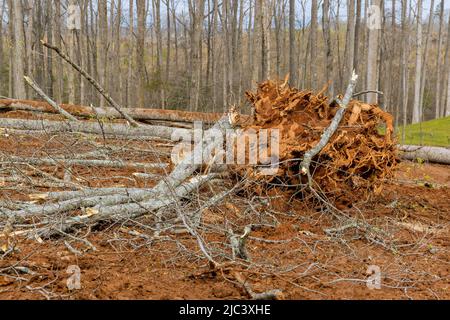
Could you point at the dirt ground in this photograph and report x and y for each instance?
(408, 242)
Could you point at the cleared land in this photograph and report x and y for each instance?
(298, 245)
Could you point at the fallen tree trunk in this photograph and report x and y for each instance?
(129, 210)
(85, 193)
(84, 162)
(431, 154)
(191, 162)
(114, 129)
(89, 112)
(115, 207)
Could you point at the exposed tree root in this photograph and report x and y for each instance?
(339, 145)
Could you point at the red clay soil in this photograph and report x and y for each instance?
(297, 255)
(316, 266)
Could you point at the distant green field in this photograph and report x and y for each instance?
(429, 133)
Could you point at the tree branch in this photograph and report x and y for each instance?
(328, 133)
(96, 85)
(41, 93)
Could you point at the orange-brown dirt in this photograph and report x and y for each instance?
(295, 254)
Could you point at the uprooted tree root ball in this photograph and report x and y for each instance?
(356, 159)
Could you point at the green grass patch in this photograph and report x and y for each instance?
(429, 133)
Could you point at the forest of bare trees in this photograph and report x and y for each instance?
(202, 55)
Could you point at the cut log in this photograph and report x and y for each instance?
(84, 162)
(89, 112)
(120, 211)
(431, 154)
(86, 193)
(113, 129)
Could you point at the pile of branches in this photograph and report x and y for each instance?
(356, 157)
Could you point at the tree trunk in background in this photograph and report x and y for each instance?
(111, 76)
(198, 10)
(255, 43)
(19, 51)
(130, 87)
(39, 57)
(168, 48)
(328, 46)
(278, 20)
(267, 27)
(225, 52)
(28, 7)
(447, 110)
(259, 42)
(392, 70)
(214, 64)
(159, 53)
(381, 61)
(372, 54)
(418, 77)
(364, 48)
(439, 58)
(48, 54)
(233, 45)
(2, 60)
(446, 107)
(425, 61)
(93, 56)
(338, 50)
(73, 74)
(56, 60)
(313, 40)
(357, 36)
(102, 46)
(263, 48)
(292, 51)
(175, 28)
(84, 51)
(350, 39)
(140, 52)
(117, 78)
(11, 64)
(240, 46)
(404, 67)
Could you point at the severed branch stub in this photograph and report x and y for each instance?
(41, 93)
(368, 91)
(96, 85)
(275, 294)
(328, 133)
(238, 244)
